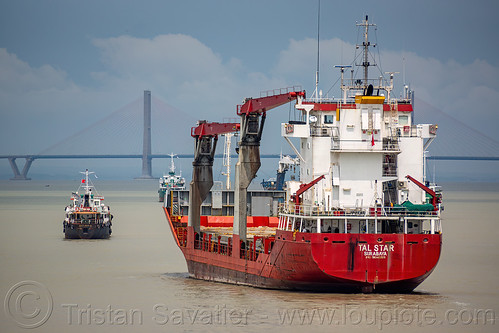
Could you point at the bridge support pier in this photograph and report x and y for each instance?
(20, 175)
(146, 150)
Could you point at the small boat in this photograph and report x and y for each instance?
(170, 181)
(286, 162)
(87, 217)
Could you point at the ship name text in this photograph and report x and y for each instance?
(376, 251)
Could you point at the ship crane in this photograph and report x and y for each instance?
(435, 200)
(303, 188)
(249, 148)
(206, 136)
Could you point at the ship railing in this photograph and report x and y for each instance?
(330, 100)
(351, 100)
(321, 131)
(364, 145)
(360, 84)
(302, 210)
(213, 243)
(280, 91)
(408, 131)
(181, 235)
(361, 224)
(391, 143)
(249, 250)
(389, 170)
(403, 212)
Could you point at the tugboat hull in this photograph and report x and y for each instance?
(87, 217)
(87, 232)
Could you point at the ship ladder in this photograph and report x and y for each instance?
(394, 114)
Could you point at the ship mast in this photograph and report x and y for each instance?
(357, 85)
(87, 184)
(366, 45)
(172, 164)
(316, 91)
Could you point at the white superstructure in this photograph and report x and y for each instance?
(365, 144)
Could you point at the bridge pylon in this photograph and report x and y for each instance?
(146, 150)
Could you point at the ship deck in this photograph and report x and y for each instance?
(251, 232)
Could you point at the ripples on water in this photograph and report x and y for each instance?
(140, 268)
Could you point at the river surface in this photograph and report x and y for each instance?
(137, 280)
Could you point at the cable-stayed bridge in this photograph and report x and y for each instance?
(124, 134)
(128, 134)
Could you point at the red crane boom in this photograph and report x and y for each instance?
(213, 129)
(434, 198)
(262, 104)
(303, 188)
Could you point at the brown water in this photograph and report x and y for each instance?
(137, 282)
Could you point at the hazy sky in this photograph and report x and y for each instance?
(66, 63)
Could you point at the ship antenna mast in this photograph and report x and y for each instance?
(316, 92)
(87, 185)
(366, 45)
(342, 84)
(172, 164)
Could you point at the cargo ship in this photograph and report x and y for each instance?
(87, 217)
(170, 181)
(361, 217)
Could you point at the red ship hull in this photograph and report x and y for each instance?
(324, 262)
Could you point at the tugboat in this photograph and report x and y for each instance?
(361, 218)
(170, 181)
(87, 217)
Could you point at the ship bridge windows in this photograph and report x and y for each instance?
(328, 119)
(403, 120)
